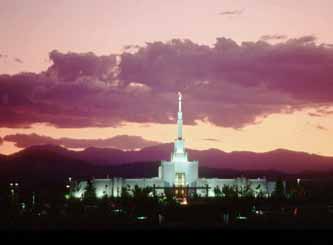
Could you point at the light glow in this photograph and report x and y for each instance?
(184, 202)
(141, 218)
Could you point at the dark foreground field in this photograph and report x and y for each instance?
(296, 216)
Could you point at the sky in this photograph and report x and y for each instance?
(255, 75)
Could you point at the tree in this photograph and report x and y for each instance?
(246, 191)
(141, 193)
(279, 189)
(143, 201)
(296, 191)
(74, 187)
(217, 191)
(104, 205)
(230, 192)
(260, 194)
(89, 195)
(169, 197)
(125, 192)
(75, 206)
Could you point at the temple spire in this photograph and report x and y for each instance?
(180, 116)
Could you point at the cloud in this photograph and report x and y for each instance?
(1, 141)
(273, 37)
(71, 66)
(211, 139)
(232, 85)
(17, 60)
(321, 111)
(321, 127)
(231, 12)
(312, 114)
(325, 111)
(229, 84)
(124, 142)
(3, 56)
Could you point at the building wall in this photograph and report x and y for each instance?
(168, 173)
(113, 186)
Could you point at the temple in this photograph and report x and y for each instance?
(179, 175)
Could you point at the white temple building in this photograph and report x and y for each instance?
(178, 174)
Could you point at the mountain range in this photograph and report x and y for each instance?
(49, 166)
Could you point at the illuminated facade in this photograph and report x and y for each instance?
(178, 174)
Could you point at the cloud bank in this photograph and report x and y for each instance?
(231, 12)
(18, 60)
(123, 142)
(273, 37)
(229, 84)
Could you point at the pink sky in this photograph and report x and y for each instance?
(30, 30)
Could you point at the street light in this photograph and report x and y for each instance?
(13, 185)
(33, 199)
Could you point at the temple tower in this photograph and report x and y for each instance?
(179, 171)
(180, 117)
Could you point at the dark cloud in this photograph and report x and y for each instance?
(124, 142)
(71, 66)
(229, 84)
(17, 60)
(273, 37)
(232, 12)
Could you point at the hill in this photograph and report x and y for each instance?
(56, 161)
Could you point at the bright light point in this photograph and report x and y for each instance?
(184, 202)
(141, 217)
(241, 217)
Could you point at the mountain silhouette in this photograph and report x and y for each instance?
(43, 166)
(278, 160)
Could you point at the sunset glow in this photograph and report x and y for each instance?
(250, 80)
